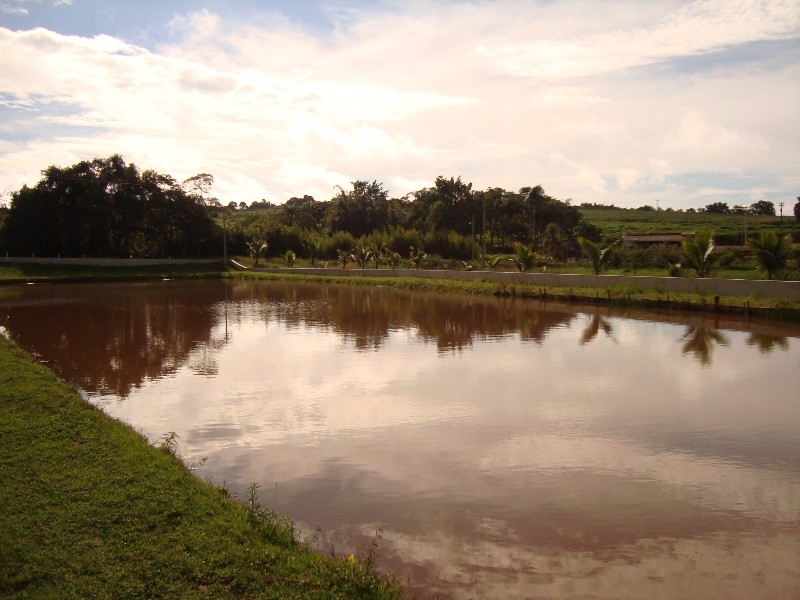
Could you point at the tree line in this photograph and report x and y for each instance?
(449, 219)
(105, 207)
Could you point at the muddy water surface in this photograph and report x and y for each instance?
(504, 449)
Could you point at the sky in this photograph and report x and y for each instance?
(671, 102)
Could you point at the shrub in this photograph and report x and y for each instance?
(449, 244)
(400, 240)
(339, 240)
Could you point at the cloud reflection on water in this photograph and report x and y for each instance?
(505, 447)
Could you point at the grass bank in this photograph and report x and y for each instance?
(91, 510)
(617, 295)
(622, 295)
(49, 273)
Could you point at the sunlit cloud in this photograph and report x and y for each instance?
(618, 107)
(697, 28)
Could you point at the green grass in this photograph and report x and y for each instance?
(35, 273)
(617, 222)
(616, 294)
(10, 274)
(91, 510)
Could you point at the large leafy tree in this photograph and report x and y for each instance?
(541, 210)
(719, 208)
(763, 207)
(303, 213)
(505, 216)
(360, 211)
(106, 207)
(448, 205)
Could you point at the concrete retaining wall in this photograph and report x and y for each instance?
(788, 290)
(109, 262)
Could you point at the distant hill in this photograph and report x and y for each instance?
(728, 229)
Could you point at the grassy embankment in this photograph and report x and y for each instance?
(627, 295)
(91, 510)
(623, 295)
(49, 273)
(735, 263)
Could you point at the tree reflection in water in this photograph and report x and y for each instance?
(597, 323)
(699, 340)
(111, 338)
(367, 316)
(766, 343)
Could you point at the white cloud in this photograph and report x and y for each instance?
(697, 28)
(11, 9)
(504, 94)
(198, 25)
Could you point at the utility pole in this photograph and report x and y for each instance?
(744, 241)
(656, 204)
(224, 237)
(472, 222)
(781, 205)
(483, 233)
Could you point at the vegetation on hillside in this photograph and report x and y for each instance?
(729, 228)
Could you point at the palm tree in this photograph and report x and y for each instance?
(492, 262)
(524, 257)
(391, 258)
(312, 249)
(255, 248)
(596, 256)
(417, 255)
(698, 253)
(289, 257)
(673, 270)
(376, 256)
(771, 251)
(343, 256)
(551, 239)
(361, 254)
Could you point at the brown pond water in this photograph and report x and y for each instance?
(506, 449)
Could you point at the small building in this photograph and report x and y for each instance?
(646, 240)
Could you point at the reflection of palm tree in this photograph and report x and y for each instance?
(767, 343)
(700, 342)
(598, 322)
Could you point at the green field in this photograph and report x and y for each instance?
(728, 229)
